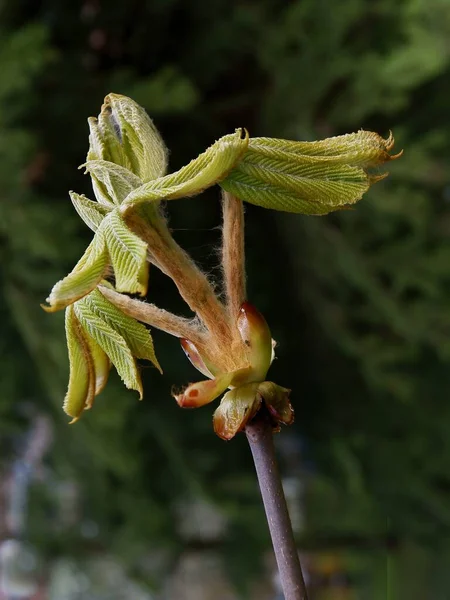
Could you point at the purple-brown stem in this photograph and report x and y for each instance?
(260, 437)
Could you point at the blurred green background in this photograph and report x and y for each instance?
(359, 301)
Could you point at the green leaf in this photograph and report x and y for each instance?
(125, 135)
(308, 177)
(113, 182)
(128, 255)
(136, 335)
(111, 342)
(202, 172)
(102, 365)
(84, 277)
(363, 148)
(237, 407)
(91, 212)
(81, 389)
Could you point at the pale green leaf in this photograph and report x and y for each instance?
(111, 342)
(113, 181)
(136, 335)
(308, 177)
(237, 407)
(104, 141)
(92, 213)
(84, 277)
(363, 148)
(142, 144)
(81, 389)
(202, 172)
(102, 365)
(128, 255)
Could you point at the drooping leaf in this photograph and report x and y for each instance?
(84, 277)
(81, 389)
(111, 342)
(128, 255)
(136, 335)
(114, 182)
(91, 212)
(308, 177)
(202, 172)
(237, 407)
(102, 365)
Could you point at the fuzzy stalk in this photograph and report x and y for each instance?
(192, 284)
(260, 437)
(156, 317)
(233, 252)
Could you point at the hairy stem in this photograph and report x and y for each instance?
(233, 252)
(156, 317)
(260, 437)
(192, 284)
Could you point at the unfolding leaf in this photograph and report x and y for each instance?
(91, 212)
(111, 342)
(84, 277)
(81, 389)
(308, 177)
(113, 182)
(140, 140)
(136, 335)
(128, 255)
(237, 407)
(202, 172)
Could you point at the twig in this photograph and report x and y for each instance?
(260, 437)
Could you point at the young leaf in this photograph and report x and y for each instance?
(81, 389)
(125, 135)
(128, 256)
(237, 407)
(113, 181)
(111, 342)
(363, 148)
(84, 277)
(136, 335)
(91, 212)
(102, 365)
(308, 177)
(202, 172)
(141, 140)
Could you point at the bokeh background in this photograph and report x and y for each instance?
(141, 500)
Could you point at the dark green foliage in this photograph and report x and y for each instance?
(359, 301)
